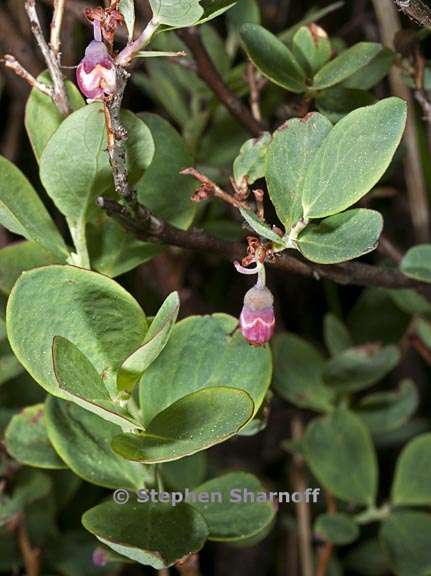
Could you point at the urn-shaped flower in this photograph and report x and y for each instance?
(96, 72)
(257, 320)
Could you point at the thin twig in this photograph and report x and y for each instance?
(210, 75)
(56, 24)
(126, 55)
(302, 508)
(60, 96)
(30, 556)
(255, 88)
(416, 10)
(210, 188)
(326, 550)
(389, 24)
(146, 226)
(11, 62)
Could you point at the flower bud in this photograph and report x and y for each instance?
(257, 320)
(100, 557)
(96, 72)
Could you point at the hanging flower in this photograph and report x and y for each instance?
(257, 319)
(95, 74)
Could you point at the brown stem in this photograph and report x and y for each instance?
(146, 226)
(302, 508)
(117, 136)
(31, 556)
(210, 75)
(255, 88)
(189, 566)
(389, 24)
(11, 62)
(51, 58)
(326, 550)
(210, 188)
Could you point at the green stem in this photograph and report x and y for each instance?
(373, 514)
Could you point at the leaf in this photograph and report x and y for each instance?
(75, 169)
(405, 537)
(371, 74)
(83, 441)
(23, 213)
(177, 13)
(42, 117)
(155, 340)
(367, 558)
(353, 157)
(411, 485)
(340, 453)
(114, 250)
(298, 373)
(293, 147)
(410, 302)
(204, 351)
(19, 257)
(127, 9)
(311, 46)
(341, 237)
(337, 337)
(90, 310)
(346, 64)
(337, 102)
(153, 534)
(193, 423)
(417, 263)
(170, 157)
(214, 8)
(260, 227)
(9, 366)
(249, 165)
(185, 473)
(242, 511)
(82, 384)
(358, 368)
(27, 440)
(273, 58)
(338, 528)
(386, 411)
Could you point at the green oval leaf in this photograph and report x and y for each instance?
(298, 373)
(273, 58)
(19, 257)
(176, 13)
(353, 157)
(412, 485)
(74, 166)
(152, 534)
(155, 340)
(81, 383)
(387, 411)
(290, 153)
(346, 64)
(405, 537)
(260, 227)
(127, 9)
(170, 157)
(358, 368)
(243, 510)
(83, 441)
(341, 237)
(249, 165)
(193, 423)
(337, 337)
(185, 473)
(27, 439)
(338, 528)
(204, 351)
(42, 117)
(90, 310)
(340, 453)
(417, 263)
(23, 213)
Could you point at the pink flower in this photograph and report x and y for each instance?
(96, 72)
(257, 320)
